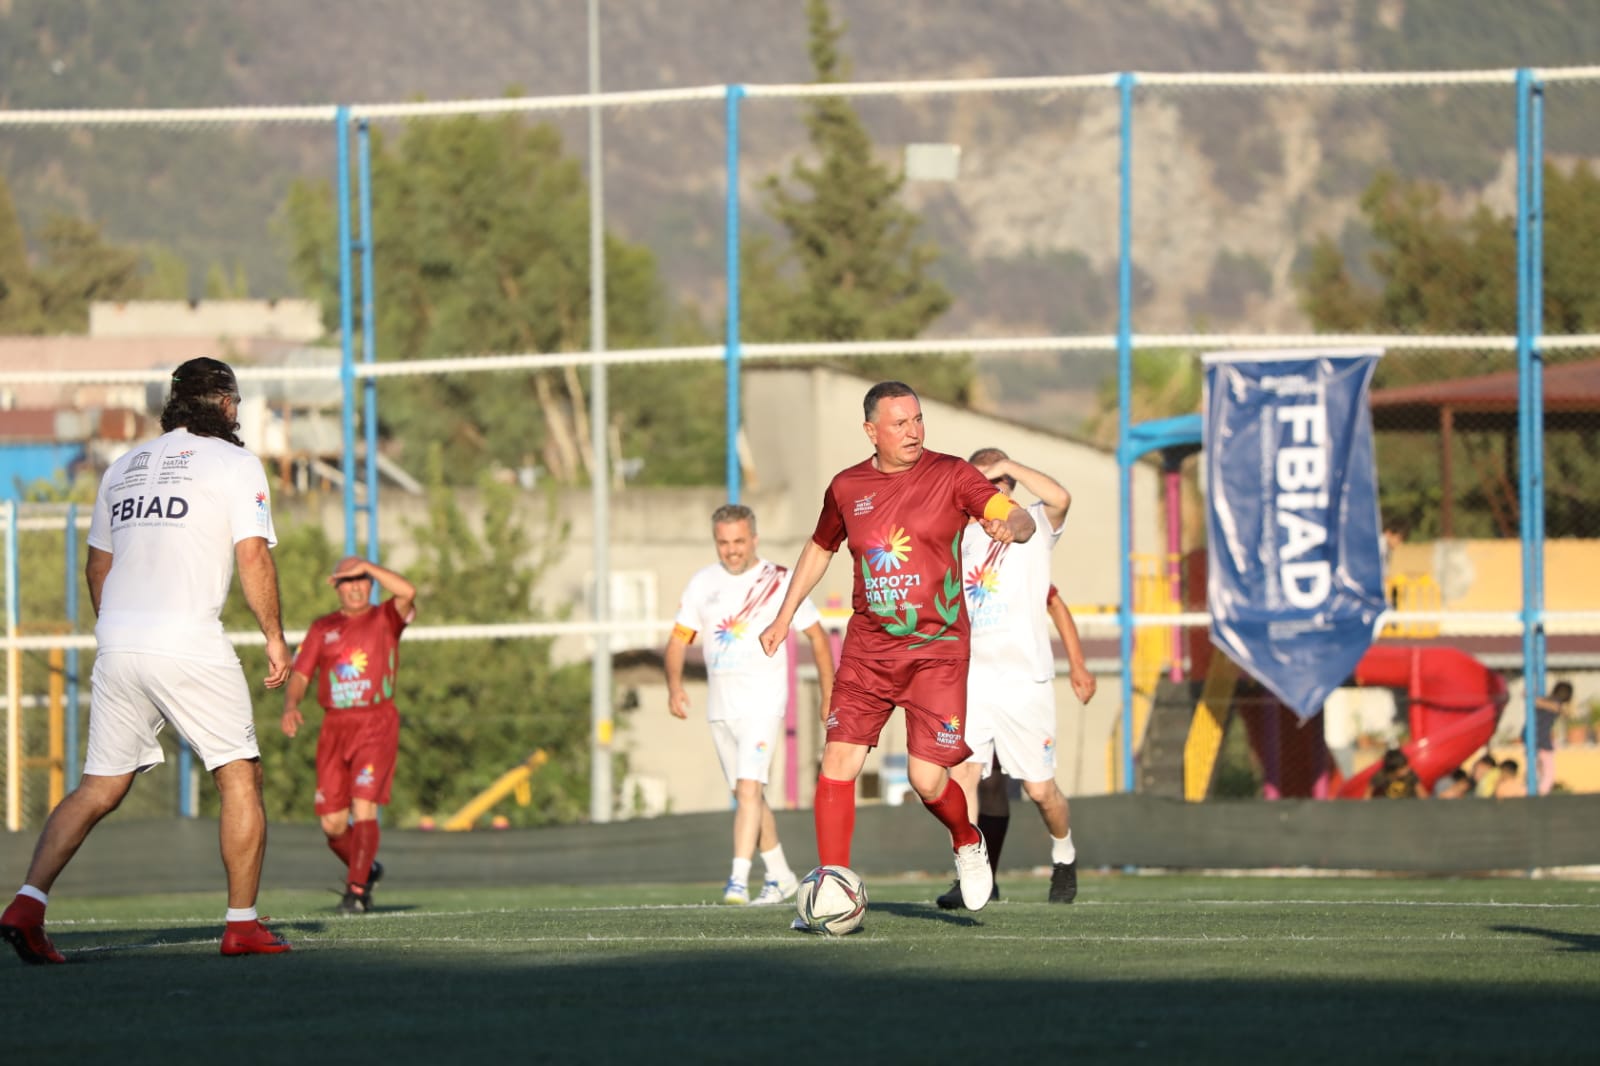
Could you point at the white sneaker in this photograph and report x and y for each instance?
(735, 892)
(776, 892)
(974, 875)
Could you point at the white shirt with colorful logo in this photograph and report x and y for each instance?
(1006, 586)
(170, 513)
(732, 610)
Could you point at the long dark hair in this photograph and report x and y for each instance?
(195, 400)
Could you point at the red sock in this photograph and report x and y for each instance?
(951, 810)
(341, 845)
(363, 850)
(24, 911)
(834, 811)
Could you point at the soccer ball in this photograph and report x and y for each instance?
(831, 899)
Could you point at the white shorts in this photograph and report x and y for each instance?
(745, 746)
(135, 693)
(1016, 721)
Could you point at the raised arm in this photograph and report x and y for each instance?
(258, 577)
(1056, 499)
(808, 570)
(403, 591)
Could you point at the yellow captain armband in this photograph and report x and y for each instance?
(683, 633)
(999, 506)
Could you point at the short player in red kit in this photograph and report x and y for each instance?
(902, 510)
(354, 652)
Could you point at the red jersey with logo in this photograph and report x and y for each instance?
(355, 655)
(905, 531)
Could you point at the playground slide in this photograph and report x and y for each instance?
(1454, 704)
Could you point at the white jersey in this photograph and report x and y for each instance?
(170, 512)
(732, 610)
(1006, 586)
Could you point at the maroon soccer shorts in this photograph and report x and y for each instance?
(932, 691)
(355, 756)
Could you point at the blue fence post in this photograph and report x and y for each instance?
(347, 368)
(70, 660)
(731, 355)
(1125, 456)
(1530, 400)
(369, 329)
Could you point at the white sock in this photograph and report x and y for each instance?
(241, 914)
(741, 871)
(1062, 850)
(777, 866)
(34, 893)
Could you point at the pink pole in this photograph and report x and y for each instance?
(1174, 486)
(791, 728)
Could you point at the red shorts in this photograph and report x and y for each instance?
(932, 691)
(355, 756)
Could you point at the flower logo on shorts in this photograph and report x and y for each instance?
(891, 548)
(367, 775)
(761, 747)
(353, 666)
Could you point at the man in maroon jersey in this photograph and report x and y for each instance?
(356, 651)
(903, 510)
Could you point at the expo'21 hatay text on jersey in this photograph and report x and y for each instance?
(905, 532)
(170, 513)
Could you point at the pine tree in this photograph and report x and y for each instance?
(853, 267)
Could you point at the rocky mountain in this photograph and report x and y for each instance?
(1231, 185)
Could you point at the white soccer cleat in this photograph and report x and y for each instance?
(974, 875)
(776, 892)
(735, 892)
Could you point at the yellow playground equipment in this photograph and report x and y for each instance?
(514, 782)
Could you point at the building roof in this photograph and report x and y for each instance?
(1568, 388)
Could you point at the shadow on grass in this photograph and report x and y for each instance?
(926, 912)
(1569, 941)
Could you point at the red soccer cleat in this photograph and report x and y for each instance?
(31, 943)
(252, 938)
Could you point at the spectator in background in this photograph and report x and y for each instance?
(1485, 776)
(1396, 780)
(1457, 785)
(1547, 711)
(1509, 783)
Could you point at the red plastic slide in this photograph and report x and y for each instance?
(1455, 702)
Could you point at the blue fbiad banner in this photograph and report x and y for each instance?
(1295, 575)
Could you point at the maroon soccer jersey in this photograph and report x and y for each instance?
(356, 656)
(904, 531)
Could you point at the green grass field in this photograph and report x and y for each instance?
(1141, 969)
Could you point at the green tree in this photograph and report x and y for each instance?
(482, 246)
(854, 266)
(470, 709)
(1443, 273)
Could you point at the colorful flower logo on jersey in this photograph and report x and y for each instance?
(982, 582)
(891, 548)
(261, 501)
(761, 747)
(1049, 745)
(352, 666)
(953, 725)
(187, 453)
(731, 629)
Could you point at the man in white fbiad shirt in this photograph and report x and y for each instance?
(171, 519)
(731, 603)
(1011, 707)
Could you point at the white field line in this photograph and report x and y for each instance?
(282, 919)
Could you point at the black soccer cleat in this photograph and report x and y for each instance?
(1064, 882)
(354, 903)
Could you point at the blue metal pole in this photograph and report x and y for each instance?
(369, 335)
(731, 356)
(73, 768)
(347, 369)
(1530, 418)
(1125, 456)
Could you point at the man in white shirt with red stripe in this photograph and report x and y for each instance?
(1011, 708)
(732, 602)
(171, 520)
